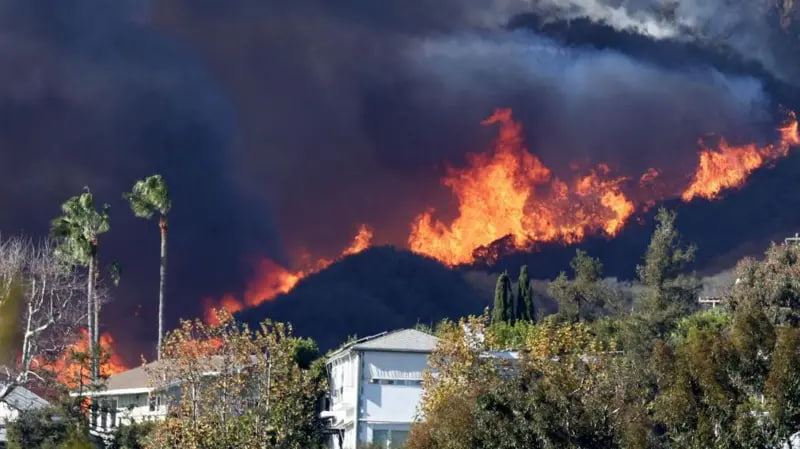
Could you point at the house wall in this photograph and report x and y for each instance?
(343, 385)
(7, 414)
(392, 386)
(130, 408)
(387, 386)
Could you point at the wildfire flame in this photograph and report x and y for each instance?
(508, 196)
(729, 166)
(508, 192)
(509, 199)
(272, 279)
(69, 371)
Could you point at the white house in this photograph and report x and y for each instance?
(126, 398)
(375, 386)
(13, 400)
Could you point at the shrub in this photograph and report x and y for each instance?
(132, 436)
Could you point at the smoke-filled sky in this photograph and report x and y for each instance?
(283, 126)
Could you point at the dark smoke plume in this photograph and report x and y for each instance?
(281, 126)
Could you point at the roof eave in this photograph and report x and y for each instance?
(114, 392)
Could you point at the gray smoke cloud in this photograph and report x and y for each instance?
(373, 100)
(765, 31)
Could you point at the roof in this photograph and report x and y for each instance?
(20, 398)
(133, 379)
(137, 380)
(403, 340)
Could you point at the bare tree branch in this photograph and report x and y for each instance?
(51, 311)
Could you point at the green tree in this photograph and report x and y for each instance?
(782, 391)
(49, 428)
(148, 197)
(449, 396)
(669, 293)
(132, 436)
(503, 308)
(260, 394)
(698, 398)
(581, 297)
(527, 311)
(771, 285)
(77, 231)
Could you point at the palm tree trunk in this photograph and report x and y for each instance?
(96, 302)
(162, 224)
(90, 317)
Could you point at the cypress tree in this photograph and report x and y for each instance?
(525, 296)
(500, 312)
(513, 309)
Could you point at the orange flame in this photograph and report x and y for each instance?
(361, 241)
(69, 371)
(272, 279)
(728, 166)
(508, 192)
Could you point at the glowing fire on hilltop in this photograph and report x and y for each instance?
(273, 279)
(69, 370)
(510, 192)
(508, 199)
(729, 166)
(361, 241)
(508, 196)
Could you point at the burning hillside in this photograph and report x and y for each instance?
(728, 166)
(272, 279)
(508, 193)
(509, 200)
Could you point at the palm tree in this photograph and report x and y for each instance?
(148, 196)
(77, 231)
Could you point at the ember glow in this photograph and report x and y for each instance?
(728, 166)
(509, 192)
(272, 279)
(69, 370)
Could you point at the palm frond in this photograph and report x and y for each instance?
(148, 196)
(76, 230)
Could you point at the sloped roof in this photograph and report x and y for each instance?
(135, 378)
(403, 340)
(20, 398)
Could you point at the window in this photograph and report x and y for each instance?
(390, 439)
(154, 402)
(112, 405)
(398, 439)
(103, 414)
(93, 409)
(380, 438)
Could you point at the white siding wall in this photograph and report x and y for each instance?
(130, 408)
(387, 386)
(343, 390)
(7, 413)
(391, 386)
